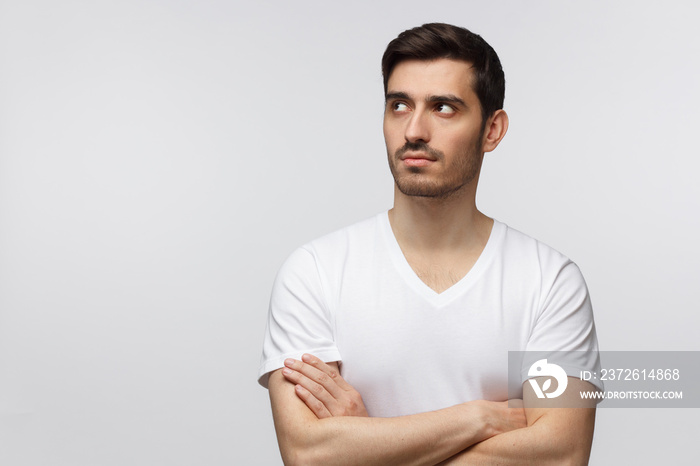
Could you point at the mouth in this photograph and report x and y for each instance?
(417, 159)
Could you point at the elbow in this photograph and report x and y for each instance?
(293, 457)
(573, 461)
(572, 455)
(293, 454)
(577, 458)
(304, 458)
(304, 455)
(553, 457)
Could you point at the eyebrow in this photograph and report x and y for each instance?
(396, 95)
(448, 98)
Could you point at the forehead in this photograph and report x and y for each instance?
(434, 77)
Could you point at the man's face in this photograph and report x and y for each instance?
(432, 127)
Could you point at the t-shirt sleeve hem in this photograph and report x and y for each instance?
(277, 362)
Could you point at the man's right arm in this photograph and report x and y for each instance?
(300, 318)
(418, 439)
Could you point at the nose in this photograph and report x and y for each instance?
(418, 128)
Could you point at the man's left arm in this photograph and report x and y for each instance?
(559, 432)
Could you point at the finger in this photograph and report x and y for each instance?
(314, 404)
(332, 372)
(316, 375)
(318, 391)
(338, 401)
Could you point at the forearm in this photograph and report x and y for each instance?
(425, 438)
(547, 442)
(422, 439)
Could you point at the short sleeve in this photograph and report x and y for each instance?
(565, 318)
(299, 320)
(564, 325)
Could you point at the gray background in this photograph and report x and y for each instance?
(159, 160)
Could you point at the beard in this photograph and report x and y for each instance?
(415, 181)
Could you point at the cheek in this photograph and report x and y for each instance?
(386, 125)
(393, 138)
(460, 143)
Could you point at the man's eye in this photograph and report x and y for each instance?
(400, 107)
(445, 109)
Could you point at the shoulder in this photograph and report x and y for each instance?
(521, 245)
(337, 243)
(549, 267)
(333, 249)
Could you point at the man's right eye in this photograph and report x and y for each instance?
(399, 107)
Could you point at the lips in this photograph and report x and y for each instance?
(417, 156)
(417, 159)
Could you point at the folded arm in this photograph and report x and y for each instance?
(313, 428)
(559, 432)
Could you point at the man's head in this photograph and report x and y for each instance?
(438, 40)
(443, 88)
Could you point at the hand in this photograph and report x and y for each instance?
(322, 388)
(502, 416)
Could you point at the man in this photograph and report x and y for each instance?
(388, 340)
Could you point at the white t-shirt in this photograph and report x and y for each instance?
(352, 297)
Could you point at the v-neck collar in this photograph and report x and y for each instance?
(414, 281)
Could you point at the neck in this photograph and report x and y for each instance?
(439, 225)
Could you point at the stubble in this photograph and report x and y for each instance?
(417, 181)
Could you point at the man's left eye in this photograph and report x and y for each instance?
(445, 109)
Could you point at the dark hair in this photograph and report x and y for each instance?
(438, 40)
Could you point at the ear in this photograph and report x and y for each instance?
(496, 128)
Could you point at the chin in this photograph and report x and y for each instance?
(431, 190)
